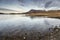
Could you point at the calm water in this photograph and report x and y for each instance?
(18, 22)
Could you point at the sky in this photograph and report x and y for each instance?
(26, 5)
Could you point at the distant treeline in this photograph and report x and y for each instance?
(1, 13)
(12, 13)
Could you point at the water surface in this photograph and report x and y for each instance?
(12, 22)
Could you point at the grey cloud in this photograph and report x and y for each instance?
(47, 4)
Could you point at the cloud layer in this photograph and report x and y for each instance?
(40, 3)
(26, 5)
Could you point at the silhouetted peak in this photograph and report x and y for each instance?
(42, 11)
(34, 11)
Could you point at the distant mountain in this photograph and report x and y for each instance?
(42, 11)
(33, 10)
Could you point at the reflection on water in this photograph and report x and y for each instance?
(19, 21)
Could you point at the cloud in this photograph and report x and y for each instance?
(48, 4)
(4, 10)
(30, 4)
(40, 3)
